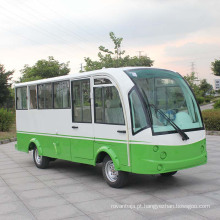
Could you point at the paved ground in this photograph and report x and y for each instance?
(75, 191)
(205, 107)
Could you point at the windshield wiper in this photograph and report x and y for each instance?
(179, 130)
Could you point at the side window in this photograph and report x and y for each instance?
(76, 102)
(21, 98)
(45, 96)
(138, 117)
(61, 94)
(108, 108)
(48, 96)
(40, 90)
(33, 97)
(100, 81)
(81, 101)
(99, 105)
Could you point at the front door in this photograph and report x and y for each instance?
(82, 127)
(109, 121)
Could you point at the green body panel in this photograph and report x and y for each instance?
(62, 148)
(76, 149)
(145, 159)
(117, 151)
(55, 147)
(37, 144)
(82, 148)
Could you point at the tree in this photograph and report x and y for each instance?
(108, 58)
(205, 87)
(215, 66)
(202, 90)
(44, 69)
(5, 86)
(191, 79)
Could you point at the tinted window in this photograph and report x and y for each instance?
(168, 92)
(81, 101)
(108, 108)
(33, 97)
(99, 105)
(40, 96)
(21, 98)
(102, 81)
(45, 96)
(137, 112)
(62, 94)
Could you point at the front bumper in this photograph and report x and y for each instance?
(149, 159)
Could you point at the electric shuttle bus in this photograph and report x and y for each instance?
(134, 119)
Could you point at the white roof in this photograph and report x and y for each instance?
(116, 73)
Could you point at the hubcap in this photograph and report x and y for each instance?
(38, 158)
(110, 171)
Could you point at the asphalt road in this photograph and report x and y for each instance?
(75, 191)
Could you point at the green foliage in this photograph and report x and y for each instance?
(211, 119)
(43, 69)
(205, 87)
(215, 66)
(202, 91)
(208, 98)
(6, 119)
(217, 104)
(200, 99)
(108, 58)
(191, 79)
(5, 93)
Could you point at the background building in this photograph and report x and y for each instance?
(217, 84)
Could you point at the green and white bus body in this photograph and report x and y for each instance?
(140, 120)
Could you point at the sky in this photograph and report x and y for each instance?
(173, 33)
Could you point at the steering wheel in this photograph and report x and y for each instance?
(171, 114)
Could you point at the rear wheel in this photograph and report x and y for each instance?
(40, 161)
(168, 174)
(114, 178)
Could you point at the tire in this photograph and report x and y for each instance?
(52, 159)
(114, 178)
(168, 174)
(40, 161)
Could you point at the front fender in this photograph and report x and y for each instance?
(111, 153)
(37, 144)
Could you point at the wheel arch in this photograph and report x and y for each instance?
(102, 152)
(35, 143)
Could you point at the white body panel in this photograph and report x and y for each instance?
(146, 137)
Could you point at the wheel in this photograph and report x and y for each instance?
(52, 159)
(40, 161)
(114, 178)
(168, 174)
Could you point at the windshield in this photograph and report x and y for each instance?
(167, 91)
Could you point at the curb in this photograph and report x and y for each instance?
(217, 133)
(8, 140)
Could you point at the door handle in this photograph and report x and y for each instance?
(74, 126)
(121, 131)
